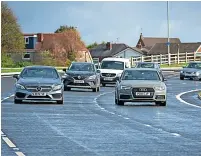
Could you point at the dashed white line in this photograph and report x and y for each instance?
(147, 125)
(8, 142)
(176, 134)
(19, 153)
(187, 103)
(126, 118)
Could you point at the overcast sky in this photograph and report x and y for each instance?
(107, 21)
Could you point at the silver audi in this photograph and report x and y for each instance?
(38, 84)
(141, 85)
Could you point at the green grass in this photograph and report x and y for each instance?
(173, 65)
(17, 70)
(199, 94)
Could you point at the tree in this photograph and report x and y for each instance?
(93, 45)
(12, 39)
(64, 28)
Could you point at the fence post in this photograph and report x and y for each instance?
(178, 58)
(169, 59)
(160, 59)
(194, 56)
(142, 58)
(151, 58)
(186, 57)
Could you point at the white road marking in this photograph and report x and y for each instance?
(183, 83)
(7, 97)
(17, 149)
(2, 133)
(147, 125)
(19, 153)
(126, 118)
(190, 104)
(8, 142)
(176, 134)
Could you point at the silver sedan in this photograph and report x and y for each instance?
(141, 85)
(38, 83)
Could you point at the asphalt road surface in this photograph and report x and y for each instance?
(90, 124)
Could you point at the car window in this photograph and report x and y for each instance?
(81, 67)
(145, 65)
(194, 65)
(39, 73)
(112, 65)
(140, 75)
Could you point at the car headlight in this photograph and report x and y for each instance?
(125, 87)
(92, 77)
(57, 87)
(197, 73)
(159, 88)
(181, 71)
(19, 86)
(119, 75)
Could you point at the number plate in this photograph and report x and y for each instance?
(108, 79)
(38, 94)
(143, 93)
(78, 81)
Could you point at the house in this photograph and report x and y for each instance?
(147, 43)
(36, 43)
(161, 48)
(114, 50)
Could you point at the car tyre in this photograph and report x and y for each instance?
(16, 101)
(60, 101)
(159, 103)
(98, 89)
(118, 102)
(103, 84)
(181, 78)
(67, 88)
(95, 89)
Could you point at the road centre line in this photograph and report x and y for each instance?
(9, 142)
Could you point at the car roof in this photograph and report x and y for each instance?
(144, 69)
(195, 62)
(82, 63)
(116, 59)
(39, 66)
(146, 63)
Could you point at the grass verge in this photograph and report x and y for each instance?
(199, 95)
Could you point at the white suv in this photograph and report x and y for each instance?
(112, 68)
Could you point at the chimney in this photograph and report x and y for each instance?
(40, 37)
(141, 37)
(108, 46)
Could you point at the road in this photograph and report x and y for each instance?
(91, 124)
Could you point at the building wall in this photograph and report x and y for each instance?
(128, 53)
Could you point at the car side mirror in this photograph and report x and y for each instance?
(164, 79)
(64, 70)
(16, 76)
(98, 71)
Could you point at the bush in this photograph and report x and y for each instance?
(6, 61)
(22, 64)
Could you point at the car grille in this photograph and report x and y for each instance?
(43, 88)
(79, 78)
(38, 97)
(109, 74)
(151, 90)
(78, 84)
(188, 72)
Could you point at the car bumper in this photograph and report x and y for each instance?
(109, 80)
(52, 96)
(128, 96)
(87, 84)
(190, 76)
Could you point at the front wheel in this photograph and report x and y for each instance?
(60, 101)
(16, 101)
(159, 103)
(95, 89)
(181, 78)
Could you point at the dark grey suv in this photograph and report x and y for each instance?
(38, 83)
(82, 75)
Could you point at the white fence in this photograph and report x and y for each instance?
(171, 59)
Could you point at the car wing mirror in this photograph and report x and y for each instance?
(164, 79)
(16, 76)
(64, 70)
(98, 71)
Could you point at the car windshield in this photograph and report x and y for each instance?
(145, 65)
(39, 73)
(140, 75)
(81, 67)
(194, 65)
(112, 65)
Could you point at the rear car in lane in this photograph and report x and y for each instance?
(82, 75)
(191, 71)
(149, 65)
(141, 85)
(38, 84)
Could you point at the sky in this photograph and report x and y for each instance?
(107, 21)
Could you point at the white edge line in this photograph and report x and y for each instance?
(19, 153)
(8, 142)
(190, 104)
(7, 97)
